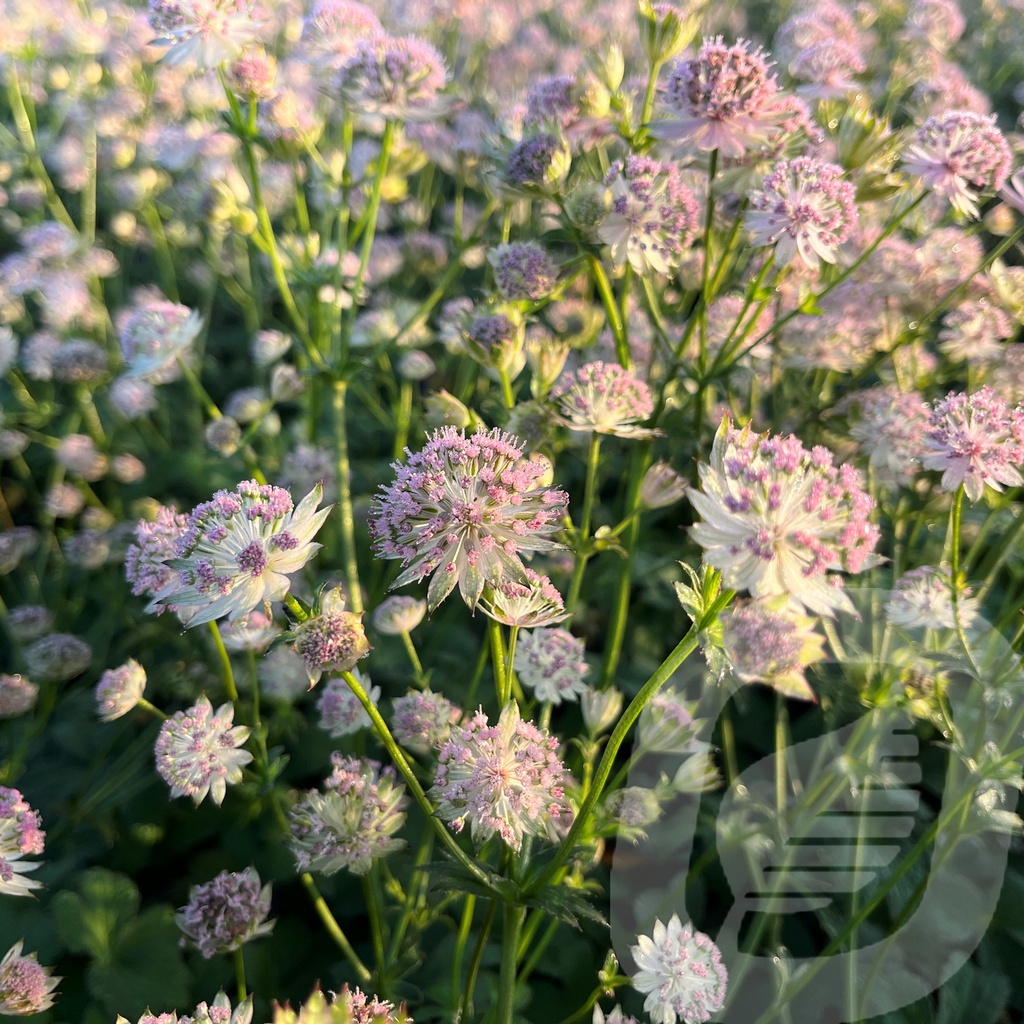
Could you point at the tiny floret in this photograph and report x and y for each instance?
(550, 662)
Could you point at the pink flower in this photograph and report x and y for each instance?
(225, 913)
(504, 779)
(20, 834)
(805, 207)
(603, 398)
(975, 440)
(462, 509)
(959, 154)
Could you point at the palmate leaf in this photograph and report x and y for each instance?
(568, 905)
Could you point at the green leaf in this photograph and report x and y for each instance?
(568, 905)
(90, 920)
(973, 994)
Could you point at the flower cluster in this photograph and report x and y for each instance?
(550, 662)
(536, 603)
(422, 720)
(653, 216)
(206, 31)
(681, 972)
(341, 713)
(332, 641)
(923, 597)
(236, 549)
(17, 695)
(145, 561)
(197, 751)
(462, 509)
(20, 834)
(975, 440)
(225, 913)
(154, 335)
(26, 987)
(394, 77)
(804, 206)
(119, 690)
(724, 99)
(779, 519)
(523, 271)
(504, 779)
(605, 399)
(352, 822)
(958, 155)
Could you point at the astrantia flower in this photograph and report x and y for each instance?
(682, 973)
(225, 913)
(539, 162)
(220, 1012)
(237, 549)
(352, 822)
(550, 662)
(20, 834)
(975, 332)
(332, 641)
(341, 713)
(767, 642)
(924, 598)
(145, 561)
(504, 779)
(828, 67)
(207, 31)
(958, 155)
(536, 603)
(462, 509)
(57, 657)
(779, 519)
(725, 98)
(119, 690)
(804, 207)
(661, 486)
(197, 751)
(605, 399)
(668, 725)
(889, 429)
(332, 29)
(398, 614)
(652, 217)
(359, 1008)
(17, 695)
(523, 271)
(616, 1015)
(975, 440)
(26, 987)
(251, 632)
(423, 720)
(396, 78)
(154, 335)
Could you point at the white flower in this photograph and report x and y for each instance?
(682, 973)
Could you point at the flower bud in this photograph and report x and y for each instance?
(600, 709)
(661, 486)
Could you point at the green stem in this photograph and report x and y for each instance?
(604, 289)
(411, 781)
(225, 664)
(371, 895)
(345, 508)
(465, 927)
(662, 674)
(502, 682)
(466, 1006)
(334, 929)
(512, 922)
(583, 533)
(240, 974)
(414, 658)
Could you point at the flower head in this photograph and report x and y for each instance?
(504, 779)
(332, 641)
(423, 720)
(805, 207)
(352, 822)
(975, 440)
(536, 603)
(767, 642)
(26, 987)
(779, 519)
(523, 271)
(394, 77)
(398, 614)
(19, 834)
(225, 913)
(682, 973)
(17, 695)
(207, 31)
(154, 335)
(550, 662)
(333, 27)
(959, 154)
(462, 509)
(197, 751)
(119, 690)
(652, 218)
(889, 428)
(57, 657)
(220, 1012)
(924, 598)
(725, 98)
(145, 561)
(237, 549)
(604, 398)
(341, 713)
